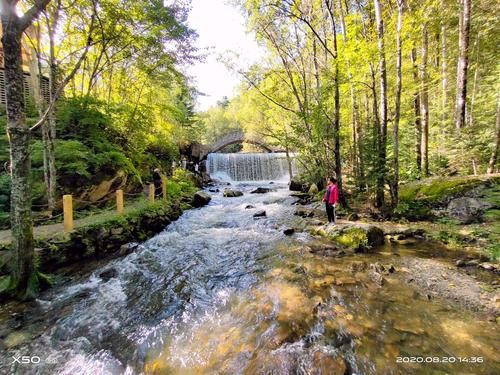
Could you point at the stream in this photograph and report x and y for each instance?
(222, 292)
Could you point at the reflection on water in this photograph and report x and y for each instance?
(222, 292)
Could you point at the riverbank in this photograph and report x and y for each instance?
(106, 236)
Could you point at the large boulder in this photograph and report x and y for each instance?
(358, 238)
(201, 199)
(228, 193)
(104, 189)
(466, 210)
(295, 184)
(299, 184)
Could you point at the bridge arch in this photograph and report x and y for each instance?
(236, 137)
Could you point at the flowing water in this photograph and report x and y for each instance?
(249, 166)
(219, 292)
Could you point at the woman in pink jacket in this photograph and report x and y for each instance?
(331, 198)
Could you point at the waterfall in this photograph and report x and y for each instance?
(248, 166)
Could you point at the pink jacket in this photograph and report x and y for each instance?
(334, 194)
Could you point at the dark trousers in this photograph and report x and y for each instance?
(158, 191)
(330, 212)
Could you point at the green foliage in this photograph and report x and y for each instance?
(6, 285)
(4, 192)
(181, 182)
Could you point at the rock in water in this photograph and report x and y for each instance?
(108, 274)
(128, 248)
(249, 206)
(375, 236)
(261, 190)
(289, 231)
(260, 213)
(201, 199)
(228, 193)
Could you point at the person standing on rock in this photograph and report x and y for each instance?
(331, 198)
(157, 182)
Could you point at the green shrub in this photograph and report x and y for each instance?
(110, 162)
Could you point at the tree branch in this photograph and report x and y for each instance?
(67, 79)
(27, 19)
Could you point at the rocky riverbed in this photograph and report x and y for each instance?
(223, 291)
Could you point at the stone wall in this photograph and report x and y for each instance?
(108, 239)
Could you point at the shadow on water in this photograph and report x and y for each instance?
(220, 291)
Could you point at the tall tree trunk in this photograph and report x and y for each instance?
(424, 101)
(463, 63)
(470, 121)
(397, 114)
(444, 76)
(356, 126)
(22, 267)
(418, 117)
(51, 118)
(380, 199)
(496, 147)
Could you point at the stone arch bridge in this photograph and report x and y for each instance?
(232, 138)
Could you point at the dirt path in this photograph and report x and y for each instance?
(57, 229)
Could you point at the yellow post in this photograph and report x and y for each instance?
(151, 193)
(68, 212)
(119, 202)
(164, 187)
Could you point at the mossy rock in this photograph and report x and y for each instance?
(418, 200)
(356, 238)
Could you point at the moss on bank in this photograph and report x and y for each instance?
(418, 200)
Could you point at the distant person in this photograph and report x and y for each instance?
(157, 181)
(331, 198)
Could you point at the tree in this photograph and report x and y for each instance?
(13, 26)
(463, 63)
(397, 114)
(496, 141)
(382, 142)
(424, 101)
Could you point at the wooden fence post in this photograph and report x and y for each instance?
(68, 212)
(151, 193)
(119, 202)
(164, 187)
